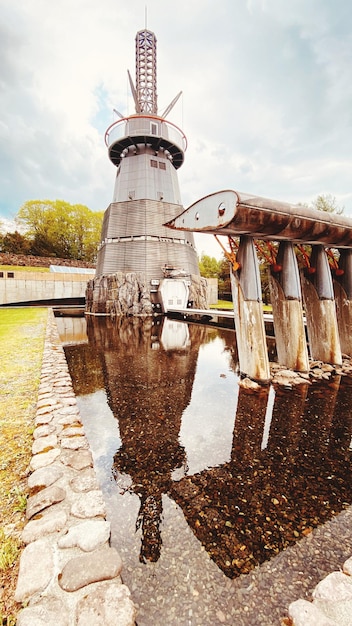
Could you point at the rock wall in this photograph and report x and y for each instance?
(28, 260)
(127, 294)
(198, 292)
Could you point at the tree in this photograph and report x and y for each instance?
(15, 243)
(224, 275)
(58, 228)
(328, 204)
(208, 266)
(325, 203)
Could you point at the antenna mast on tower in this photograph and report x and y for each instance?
(146, 93)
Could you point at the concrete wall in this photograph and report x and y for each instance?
(17, 286)
(212, 291)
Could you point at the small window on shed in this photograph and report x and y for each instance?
(153, 163)
(1, 274)
(10, 275)
(162, 165)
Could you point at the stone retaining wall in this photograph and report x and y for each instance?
(127, 294)
(29, 260)
(69, 575)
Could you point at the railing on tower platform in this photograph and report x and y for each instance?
(150, 129)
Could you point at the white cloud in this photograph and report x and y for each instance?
(266, 100)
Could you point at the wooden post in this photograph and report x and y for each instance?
(343, 299)
(318, 295)
(248, 312)
(286, 300)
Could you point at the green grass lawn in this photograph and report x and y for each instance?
(22, 333)
(22, 268)
(228, 306)
(222, 304)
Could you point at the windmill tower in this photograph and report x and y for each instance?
(147, 151)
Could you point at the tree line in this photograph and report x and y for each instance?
(55, 228)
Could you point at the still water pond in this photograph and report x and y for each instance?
(208, 485)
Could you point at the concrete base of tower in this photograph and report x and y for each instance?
(127, 294)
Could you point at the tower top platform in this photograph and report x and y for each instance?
(148, 130)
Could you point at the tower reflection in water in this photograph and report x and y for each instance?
(149, 368)
(288, 466)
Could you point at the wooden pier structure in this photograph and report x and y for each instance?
(319, 292)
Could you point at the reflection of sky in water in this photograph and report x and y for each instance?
(207, 423)
(268, 416)
(102, 428)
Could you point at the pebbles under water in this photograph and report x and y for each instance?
(226, 503)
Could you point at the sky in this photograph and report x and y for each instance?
(266, 96)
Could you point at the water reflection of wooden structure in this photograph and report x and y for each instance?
(277, 488)
(324, 286)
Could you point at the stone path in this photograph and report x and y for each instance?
(332, 601)
(69, 575)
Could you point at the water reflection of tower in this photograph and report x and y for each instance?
(149, 370)
(147, 151)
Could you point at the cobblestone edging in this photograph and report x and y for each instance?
(332, 601)
(69, 575)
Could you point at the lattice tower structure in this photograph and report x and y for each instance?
(146, 72)
(147, 151)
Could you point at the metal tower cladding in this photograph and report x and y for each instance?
(147, 151)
